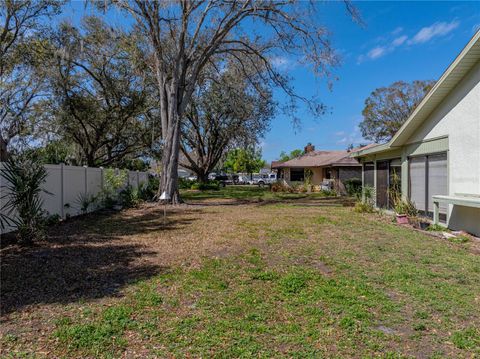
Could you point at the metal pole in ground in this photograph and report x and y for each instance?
(164, 197)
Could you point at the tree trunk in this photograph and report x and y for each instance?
(202, 176)
(169, 175)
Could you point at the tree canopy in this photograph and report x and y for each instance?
(190, 77)
(245, 160)
(22, 80)
(288, 156)
(225, 112)
(387, 108)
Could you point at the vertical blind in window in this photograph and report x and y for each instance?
(437, 179)
(417, 182)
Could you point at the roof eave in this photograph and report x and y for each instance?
(446, 81)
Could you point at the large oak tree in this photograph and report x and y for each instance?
(184, 36)
(225, 112)
(100, 103)
(21, 77)
(387, 108)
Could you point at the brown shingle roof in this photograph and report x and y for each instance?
(320, 159)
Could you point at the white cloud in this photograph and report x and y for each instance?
(437, 29)
(397, 31)
(395, 40)
(399, 40)
(353, 136)
(376, 52)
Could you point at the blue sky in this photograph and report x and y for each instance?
(400, 41)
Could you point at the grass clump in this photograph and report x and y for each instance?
(467, 339)
(98, 336)
(293, 282)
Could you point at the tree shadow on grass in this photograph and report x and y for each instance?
(64, 274)
(113, 226)
(83, 258)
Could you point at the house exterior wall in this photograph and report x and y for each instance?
(458, 119)
(319, 173)
(453, 127)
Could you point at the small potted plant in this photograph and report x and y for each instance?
(401, 212)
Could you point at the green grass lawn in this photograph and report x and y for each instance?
(303, 277)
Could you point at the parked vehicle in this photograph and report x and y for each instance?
(263, 179)
(242, 179)
(223, 180)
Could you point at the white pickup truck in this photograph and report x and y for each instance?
(263, 179)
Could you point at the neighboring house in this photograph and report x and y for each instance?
(436, 153)
(328, 167)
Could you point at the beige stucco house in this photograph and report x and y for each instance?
(328, 168)
(436, 153)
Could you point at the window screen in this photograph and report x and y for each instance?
(368, 174)
(296, 174)
(417, 182)
(437, 179)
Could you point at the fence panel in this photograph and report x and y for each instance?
(94, 181)
(142, 177)
(52, 197)
(66, 185)
(132, 178)
(75, 186)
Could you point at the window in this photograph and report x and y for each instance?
(297, 174)
(382, 184)
(428, 177)
(394, 181)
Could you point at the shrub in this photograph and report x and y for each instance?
(52, 219)
(328, 192)
(209, 186)
(23, 207)
(112, 184)
(407, 207)
(185, 183)
(86, 202)
(148, 191)
(437, 228)
(353, 186)
(130, 197)
(365, 200)
(281, 187)
(363, 207)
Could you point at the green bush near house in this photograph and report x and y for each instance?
(353, 186)
(209, 186)
(148, 191)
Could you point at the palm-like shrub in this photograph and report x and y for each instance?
(22, 180)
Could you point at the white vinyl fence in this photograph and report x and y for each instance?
(65, 185)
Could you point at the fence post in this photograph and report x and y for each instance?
(101, 178)
(138, 178)
(62, 195)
